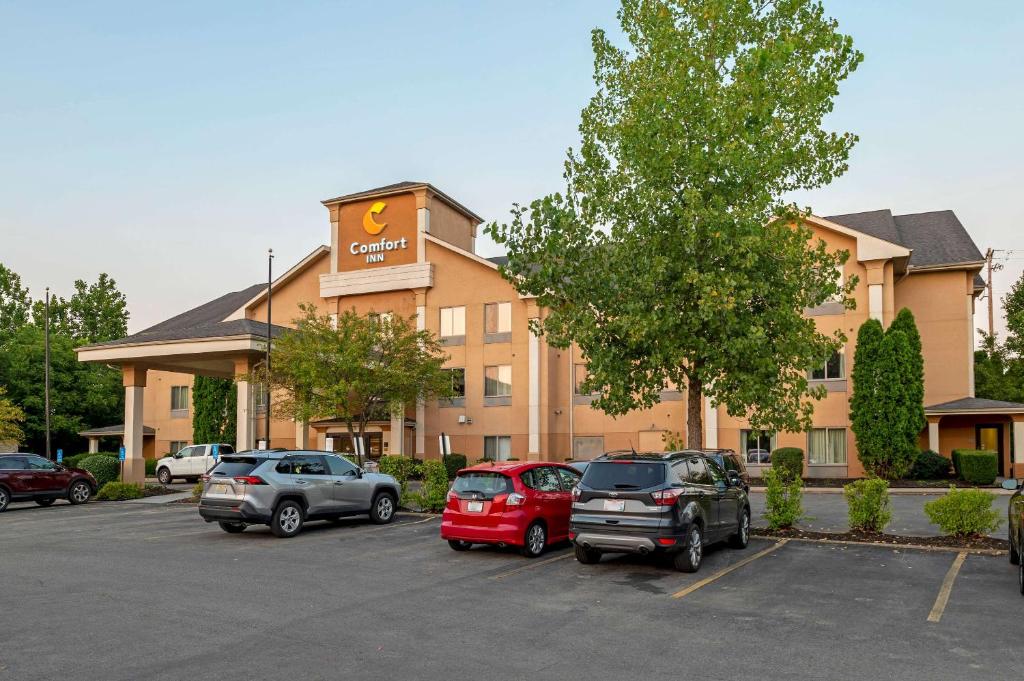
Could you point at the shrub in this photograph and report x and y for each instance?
(782, 499)
(434, 492)
(197, 491)
(150, 468)
(119, 491)
(978, 467)
(929, 466)
(400, 467)
(104, 468)
(454, 463)
(789, 461)
(73, 461)
(964, 512)
(868, 504)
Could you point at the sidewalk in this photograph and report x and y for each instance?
(160, 498)
(893, 491)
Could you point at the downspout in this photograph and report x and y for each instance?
(572, 402)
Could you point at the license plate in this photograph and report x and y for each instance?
(614, 505)
(219, 489)
(475, 506)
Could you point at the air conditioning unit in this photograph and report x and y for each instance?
(462, 418)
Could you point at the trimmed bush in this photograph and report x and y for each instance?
(868, 504)
(978, 467)
(929, 466)
(399, 467)
(150, 468)
(454, 463)
(104, 468)
(434, 492)
(789, 461)
(964, 512)
(119, 491)
(782, 499)
(197, 491)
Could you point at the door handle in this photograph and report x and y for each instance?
(302, 482)
(339, 482)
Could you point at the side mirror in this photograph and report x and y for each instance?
(179, 455)
(1010, 484)
(734, 478)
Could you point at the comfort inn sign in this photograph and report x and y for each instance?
(376, 250)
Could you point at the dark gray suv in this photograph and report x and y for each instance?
(674, 502)
(284, 489)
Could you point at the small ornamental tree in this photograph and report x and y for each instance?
(892, 456)
(911, 371)
(11, 417)
(867, 428)
(214, 409)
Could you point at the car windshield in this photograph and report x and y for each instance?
(236, 465)
(485, 483)
(609, 475)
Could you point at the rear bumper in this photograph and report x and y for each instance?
(623, 543)
(507, 528)
(212, 511)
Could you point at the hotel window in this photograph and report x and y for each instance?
(497, 318)
(498, 381)
(497, 447)
(259, 397)
(453, 322)
(179, 400)
(757, 448)
(840, 282)
(176, 446)
(579, 375)
(826, 446)
(378, 317)
(458, 378)
(834, 368)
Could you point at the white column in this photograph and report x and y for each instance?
(1018, 446)
(243, 427)
(875, 301)
(533, 401)
(421, 409)
(94, 445)
(933, 436)
(134, 464)
(301, 435)
(397, 432)
(710, 424)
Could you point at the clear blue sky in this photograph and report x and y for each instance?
(169, 144)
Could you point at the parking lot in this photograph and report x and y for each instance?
(119, 591)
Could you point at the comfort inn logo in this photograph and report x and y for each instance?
(375, 250)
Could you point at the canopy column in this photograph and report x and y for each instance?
(933, 434)
(134, 379)
(243, 424)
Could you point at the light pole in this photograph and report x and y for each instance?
(266, 385)
(46, 369)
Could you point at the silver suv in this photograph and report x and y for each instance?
(284, 489)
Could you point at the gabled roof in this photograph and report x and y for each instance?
(974, 405)
(936, 239)
(401, 187)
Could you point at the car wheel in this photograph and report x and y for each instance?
(742, 536)
(535, 540)
(689, 559)
(164, 476)
(232, 528)
(79, 492)
(587, 556)
(459, 545)
(287, 520)
(382, 510)
(45, 502)
(5, 499)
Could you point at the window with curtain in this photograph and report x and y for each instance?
(498, 318)
(453, 321)
(497, 447)
(176, 446)
(834, 368)
(756, 447)
(179, 398)
(498, 381)
(826, 446)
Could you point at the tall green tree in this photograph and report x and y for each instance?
(1013, 308)
(998, 375)
(892, 395)
(911, 369)
(15, 303)
(673, 258)
(868, 425)
(11, 417)
(214, 409)
(355, 370)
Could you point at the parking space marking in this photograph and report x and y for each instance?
(726, 570)
(532, 565)
(947, 587)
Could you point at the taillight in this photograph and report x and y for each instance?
(666, 541)
(205, 477)
(452, 495)
(666, 497)
(515, 499)
(576, 493)
(249, 480)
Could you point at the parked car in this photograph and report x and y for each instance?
(284, 489)
(522, 504)
(1015, 527)
(30, 477)
(729, 460)
(761, 456)
(189, 463)
(579, 466)
(658, 502)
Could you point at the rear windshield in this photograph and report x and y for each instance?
(241, 465)
(624, 474)
(487, 484)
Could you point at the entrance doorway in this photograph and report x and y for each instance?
(989, 436)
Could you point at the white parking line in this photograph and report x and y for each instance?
(724, 571)
(947, 587)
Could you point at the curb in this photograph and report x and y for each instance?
(911, 547)
(898, 491)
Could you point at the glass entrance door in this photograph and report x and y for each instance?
(990, 438)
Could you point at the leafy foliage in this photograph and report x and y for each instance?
(977, 467)
(399, 467)
(868, 504)
(788, 461)
(103, 467)
(783, 499)
(454, 463)
(11, 417)
(214, 409)
(673, 259)
(964, 512)
(15, 303)
(434, 492)
(929, 465)
(119, 491)
(911, 365)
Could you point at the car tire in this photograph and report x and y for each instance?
(79, 492)
(45, 502)
(692, 554)
(535, 540)
(231, 528)
(163, 476)
(1014, 551)
(5, 498)
(382, 508)
(459, 545)
(586, 556)
(742, 536)
(287, 520)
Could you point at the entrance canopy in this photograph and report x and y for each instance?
(978, 423)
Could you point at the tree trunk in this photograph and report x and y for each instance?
(694, 418)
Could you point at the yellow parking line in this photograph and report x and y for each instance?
(531, 565)
(947, 587)
(724, 571)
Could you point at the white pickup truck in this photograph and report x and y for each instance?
(189, 463)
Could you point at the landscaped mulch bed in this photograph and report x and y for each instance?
(967, 543)
(157, 490)
(893, 484)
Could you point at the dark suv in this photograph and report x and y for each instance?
(30, 477)
(728, 460)
(671, 502)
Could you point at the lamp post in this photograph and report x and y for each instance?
(46, 369)
(266, 386)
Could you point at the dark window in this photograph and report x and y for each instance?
(568, 477)
(12, 463)
(487, 484)
(458, 377)
(607, 475)
(38, 463)
(542, 479)
(717, 474)
(303, 464)
(226, 449)
(339, 466)
(833, 368)
(698, 472)
(235, 466)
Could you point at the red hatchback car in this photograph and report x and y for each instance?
(510, 503)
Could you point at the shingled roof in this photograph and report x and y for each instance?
(975, 404)
(402, 186)
(936, 238)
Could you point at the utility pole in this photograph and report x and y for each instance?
(46, 369)
(266, 385)
(991, 267)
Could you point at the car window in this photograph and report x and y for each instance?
(199, 451)
(698, 472)
(485, 483)
(303, 464)
(12, 463)
(609, 475)
(226, 449)
(186, 451)
(242, 465)
(38, 463)
(568, 477)
(546, 479)
(717, 474)
(339, 466)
